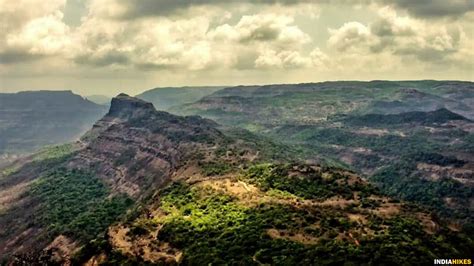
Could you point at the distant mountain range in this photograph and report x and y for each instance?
(167, 97)
(415, 139)
(31, 120)
(99, 99)
(148, 187)
(34, 119)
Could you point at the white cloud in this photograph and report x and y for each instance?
(46, 35)
(320, 60)
(229, 37)
(284, 59)
(190, 43)
(269, 28)
(395, 36)
(352, 37)
(31, 29)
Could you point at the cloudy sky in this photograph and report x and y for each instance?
(111, 46)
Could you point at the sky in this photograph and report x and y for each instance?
(111, 46)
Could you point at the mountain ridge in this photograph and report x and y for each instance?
(158, 183)
(31, 120)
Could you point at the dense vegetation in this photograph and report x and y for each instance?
(399, 180)
(213, 228)
(75, 203)
(312, 186)
(426, 118)
(379, 128)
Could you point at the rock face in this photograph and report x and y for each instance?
(134, 146)
(133, 150)
(126, 107)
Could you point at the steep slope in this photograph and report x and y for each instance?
(165, 98)
(144, 186)
(30, 120)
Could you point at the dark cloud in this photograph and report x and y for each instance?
(111, 58)
(145, 8)
(17, 56)
(420, 8)
(435, 8)
(263, 34)
(154, 66)
(426, 54)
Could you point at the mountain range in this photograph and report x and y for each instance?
(412, 138)
(34, 119)
(375, 172)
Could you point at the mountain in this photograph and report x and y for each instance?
(99, 99)
(77, 189)
(31, 120)
(148, 187)
(414, 139)
(167, 97)
(312, 102)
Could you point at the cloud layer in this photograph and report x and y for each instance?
(126, 9)
(228, 37)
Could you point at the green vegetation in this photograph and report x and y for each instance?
(215, 168)
(45, 158)
(399, 181)
(213, 228)
(426, 118)
(394, 159)
(311, 186)
(385, 144)
(75, 203)
(54, 152)
(368, 125)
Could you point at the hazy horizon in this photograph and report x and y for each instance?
(134, 92)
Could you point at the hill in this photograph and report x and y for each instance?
(31, 120)
(145, 186)
(167, 97)
(99, 99)
(399, 134)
